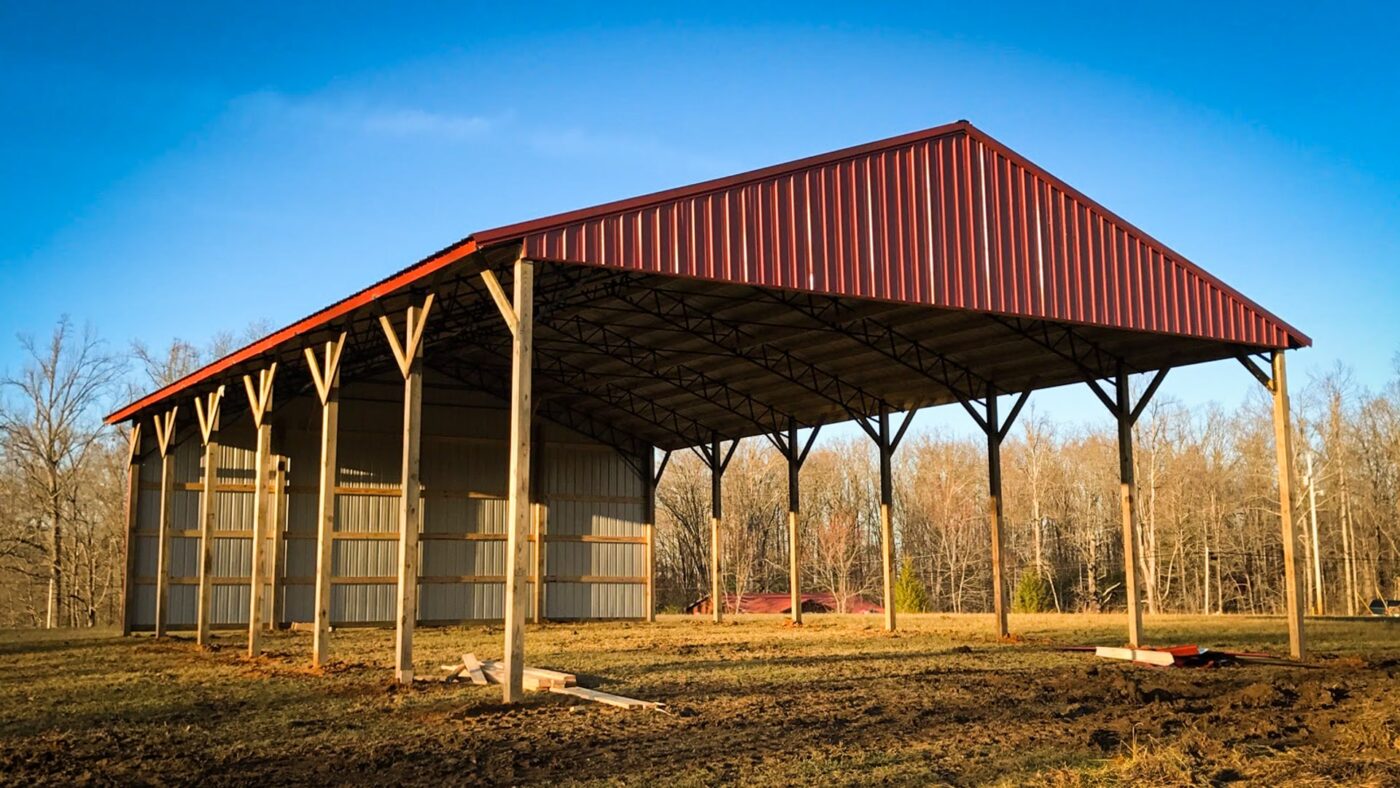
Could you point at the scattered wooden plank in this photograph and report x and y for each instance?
(473, 668)
(608, 698)
(494, 672)
(1145, 656)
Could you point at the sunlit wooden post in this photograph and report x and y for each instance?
(716, 521)
(794, 505)
(133, 499)
(1127, 496)
(519, 316)
(648, 468)
(994, 517)
(259, 405)
(887, 519)
(277, 503)
(1283, 446)
(325, 375)
(165, 438)
(539, 524)
(409, 355)
(207, 409)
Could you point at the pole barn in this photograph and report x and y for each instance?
(475, 436)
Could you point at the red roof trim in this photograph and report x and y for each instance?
(384, 287)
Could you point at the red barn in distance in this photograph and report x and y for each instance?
(782, 603)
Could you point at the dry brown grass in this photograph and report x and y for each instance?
(837, 701)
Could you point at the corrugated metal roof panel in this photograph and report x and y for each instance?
(949, 218)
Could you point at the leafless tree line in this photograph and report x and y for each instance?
(1207, 489)
(1208, 510)
(63, 473)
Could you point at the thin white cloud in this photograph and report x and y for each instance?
(281, 110)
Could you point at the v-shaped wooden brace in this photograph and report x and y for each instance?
(323, 370)
(165, 429)
(206, 408)
(413, 334)
(260, 396)
(133, 443)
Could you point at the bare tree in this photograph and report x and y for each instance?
(51, 430)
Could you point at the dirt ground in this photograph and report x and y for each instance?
(754, 701)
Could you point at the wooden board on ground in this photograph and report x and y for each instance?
(494, 672)
(608, 698)
(1145, 656)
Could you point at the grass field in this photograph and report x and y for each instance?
(753, 701)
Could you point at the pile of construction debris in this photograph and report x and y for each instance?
(540, 679)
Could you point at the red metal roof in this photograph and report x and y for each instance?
(946, 217)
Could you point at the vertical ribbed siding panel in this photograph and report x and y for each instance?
(593, 493)
(954, 220)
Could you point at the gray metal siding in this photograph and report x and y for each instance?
(587, 490)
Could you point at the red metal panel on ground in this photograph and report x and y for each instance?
(948, 218)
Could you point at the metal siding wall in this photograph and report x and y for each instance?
(590, 492)
(955, 221)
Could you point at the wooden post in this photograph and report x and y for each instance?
(648, 466)
(259, 403)
(522, 321)
(133, 498)
(207, 409)
(539, 517)
(887, 519)
(994, 515)
(325, 375)
(165, 434)
(716, 518)
(794, 552)
(1283, 445)
(1128, 500)
(277, 498)
(409, 355)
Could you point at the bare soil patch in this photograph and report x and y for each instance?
(836, 701)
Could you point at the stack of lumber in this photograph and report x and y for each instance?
(540, 679)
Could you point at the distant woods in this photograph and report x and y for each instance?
(1207, 504)
(63, 473)
(1206, 491)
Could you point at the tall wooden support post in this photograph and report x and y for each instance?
(794, 506)
(716, 523)
(886, 444)
(996, 432)
(1126, 413)
(165, 435)
(994, 515)
(539, 522)
(787, 445)
(887, 520)
(207, 409)
(651, 479)
(133, 499)
(1283, 446)
(277, 497)
(1127, 498)
(648, 469)
(325, 375)
(409, 355)
(519, 315)
(259, 404)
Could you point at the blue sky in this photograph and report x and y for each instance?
(173, 171)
